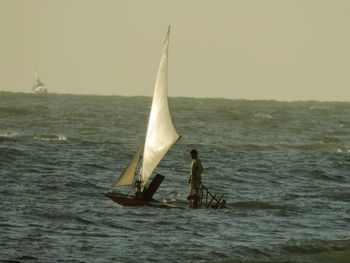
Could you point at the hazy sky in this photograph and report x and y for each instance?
(250, 49)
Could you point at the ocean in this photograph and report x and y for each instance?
(284, 168)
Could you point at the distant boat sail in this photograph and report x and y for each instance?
(38, 86)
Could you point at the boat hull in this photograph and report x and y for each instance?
(130, 200)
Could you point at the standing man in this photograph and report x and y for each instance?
(195, 179)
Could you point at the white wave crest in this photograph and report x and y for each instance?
(8, 134)
(263, 116)
(50, 138)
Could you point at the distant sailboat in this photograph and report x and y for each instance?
(38, 86)
(161, 136)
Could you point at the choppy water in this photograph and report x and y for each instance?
(284, 167)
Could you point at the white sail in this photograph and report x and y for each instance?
(38, 85)
(127, 177)
(161, 134)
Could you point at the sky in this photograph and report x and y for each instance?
(238, 49)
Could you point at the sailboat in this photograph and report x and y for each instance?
(38, 86)
(160, 137)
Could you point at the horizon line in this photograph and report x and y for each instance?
(186, 97)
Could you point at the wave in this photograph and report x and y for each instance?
(6, 153)
(319, 174)
(254, 147)
(344, 125)
(334, 256)
(339, 195)
(50, 138)
(82, 185)
(25, 258)
(99, 167)
(319, 249)
(11, 136)
(311, 147)
(319, 108)
(345, 149)
(3, 225)
(71, 220)
(318, 147)
(263, 116)
(257, 205)
(8, 136)
(15, 111)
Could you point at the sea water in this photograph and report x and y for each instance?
(284, 168)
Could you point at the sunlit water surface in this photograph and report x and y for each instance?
(284, 168)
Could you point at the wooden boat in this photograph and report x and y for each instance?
(161, 135)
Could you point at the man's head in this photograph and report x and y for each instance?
(194, 154)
